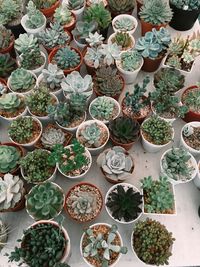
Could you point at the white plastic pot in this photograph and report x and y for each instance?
(96, 150)
(81, 241)
(197, 178)
(31, 144)
(152, 148)
(79, 45)
(79, 13)
(129, 48)
(111, 99)
(193, 164)
(133, 19)
(126, 186)
(33, 31)
(170, 120)
(87, 153)
(194, 152)
(129, 76)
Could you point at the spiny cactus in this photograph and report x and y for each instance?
(9, 158)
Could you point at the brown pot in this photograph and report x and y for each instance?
(9, 48)
(22, 152)
(67, 71)
(151, 65)
(147, 27)
(127, 146)
(3, 81)
(48, 12)
(19, 206)
(70, 26)
(68, 193)
(190, 115)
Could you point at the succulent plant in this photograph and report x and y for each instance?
(94, 39)
(93, 57)
(4, 230)
(158, 195)
(192, 100)
(3, 89)
(176, 164)
(54, 36)
(102, 108)
(7, 65)
(99, 14)
(75, 4)
(121, 6)
(101, 245)
(124, 130)
(153, 43)
(10, 102)
(108, 82)
(116, 163)
(9, 158)
(53, 76)
(82, 30)
(11, 191)
(35, 18)
(130, 60)
(25, 43)
(9, 10)
(124, 203)
(63, 15)
(124, 24)
(186, 4)
(43, 4)
(67, 58)
(22, 80)
(52, 136)
(110, 53)
(6, 37)
(150, 234)
(122, 39)
(158, 131)
(45, 201)
(91, 135)
(75, 83)
(156, 12)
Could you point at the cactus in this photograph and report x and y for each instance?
(35, 17)
(91, 135)
(9, 158)
(22, 80)
(51, 137)
(67, 58)
(11, 191)
(10, 102)
(102, 108)
(121, 6)
(53, 76)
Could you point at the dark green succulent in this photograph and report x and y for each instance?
(124, 130)
(124, 203)
(7, 65)
(121, 6)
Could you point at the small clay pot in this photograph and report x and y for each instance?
(151, 65)
(48, 12)
(9, 48)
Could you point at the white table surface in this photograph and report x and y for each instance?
(185, 225)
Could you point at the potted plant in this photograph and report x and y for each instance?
(51, 245)
(156, 134)
(99, 14)
(69, 115)
(73, 161)
(104, 108)
(36, 168)
(53, 135)
(10, 155)
(7, 40)
(12, 193)
(22, 81)
(108, 82)
(118, 7)
(47, 7)
(191, 98)
(107, 241)
(4, 231)
(135, 104)
(38, 102)
(150, 234)
(158, 196)
(83, 202)
(182, 53)
(154, 14)
(30, 56)
(34, 21)
(92, 59)
(197, 178)
(77, 7)
(52, 78)
(25, 131)
(75, 83)
(129, 65)
(67, 58)
(171, 78)
(94, 135)
(124, 203)
(178, 165)
(54, 37)
(7, 66)
(12, 106)
(123, 39)
(153, 47)
(65, 17)
(124, 23)
(45, 201)
(3, 87)
(189, 10)
(116, 164)
(190, 140)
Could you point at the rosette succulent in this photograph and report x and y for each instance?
(9, 157)
(22, 80)
(102, 108)
(53, 76)
(116, 163)
(10, 102)
(124, 24)
(91, 135)
(52, 136)
(35, 17)
(11, 191)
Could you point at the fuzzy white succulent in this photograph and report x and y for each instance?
(95, 39)
(110, 52)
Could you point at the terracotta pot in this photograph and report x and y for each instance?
(127, 146)
(67, 71)
(22, 152)
(19, 206)
(69, 27)
(3, 81)
(151, 65)
(191, 115)
(48, 12)
(147, 27)
(139, 5)
(9, 48)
